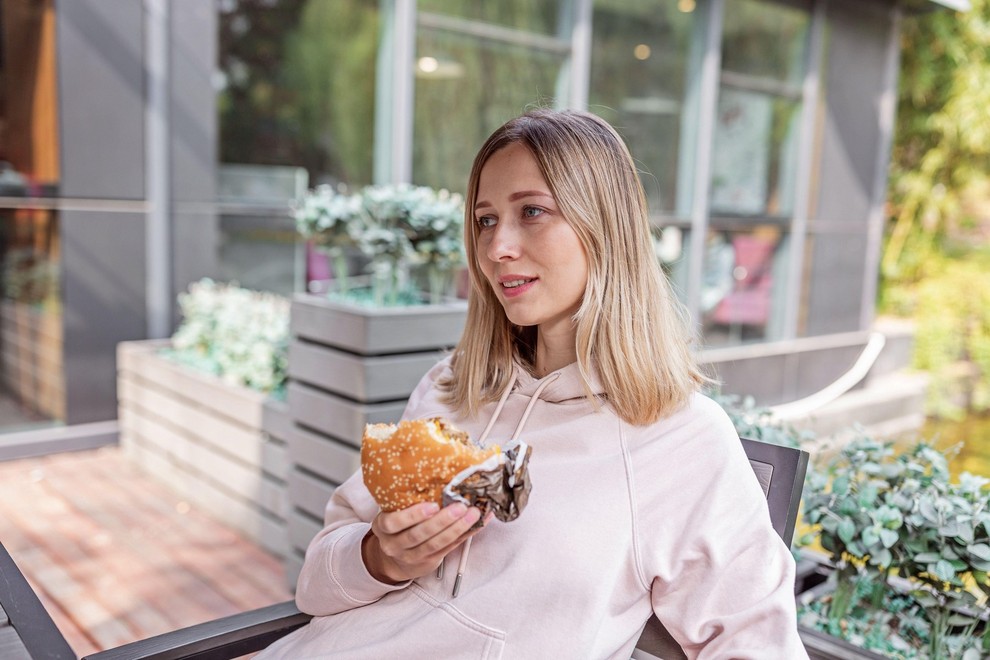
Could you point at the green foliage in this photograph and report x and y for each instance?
(394, 227)
(881, 513)
(941, 155)
(299, 85)
(953, 335)
(758, 422)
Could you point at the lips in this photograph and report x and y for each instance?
(515, 285)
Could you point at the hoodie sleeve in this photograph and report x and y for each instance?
(721, 579)
(333, 577)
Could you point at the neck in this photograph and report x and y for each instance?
(553, 352)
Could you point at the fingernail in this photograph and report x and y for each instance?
(431, 508)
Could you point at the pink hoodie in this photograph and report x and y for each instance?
(623, 521)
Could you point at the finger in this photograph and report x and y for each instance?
(399, 521)
(451, 535)
(438, 524)
(443, 552)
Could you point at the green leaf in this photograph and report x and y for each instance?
(888, 537)
(943, 570)
(847, 530)
(840, 486)
(972, 653)
(883, 558)
(927, 557)
(870, 536)
(980, 550)
(924, 598)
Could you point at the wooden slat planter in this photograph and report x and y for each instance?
(221, 447)
(31, 357)
(349, 366)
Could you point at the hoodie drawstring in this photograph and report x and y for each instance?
(462, 564)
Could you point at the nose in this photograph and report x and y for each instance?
(503, 243)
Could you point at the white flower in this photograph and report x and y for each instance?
(238, 334)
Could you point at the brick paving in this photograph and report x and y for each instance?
(116, 556)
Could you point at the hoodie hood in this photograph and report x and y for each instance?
(567, 384)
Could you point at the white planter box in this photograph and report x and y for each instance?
(348, 366)
(374, 331)
(220, 447)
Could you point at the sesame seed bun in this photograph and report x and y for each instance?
(411, 462)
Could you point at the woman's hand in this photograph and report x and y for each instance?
(404, 545)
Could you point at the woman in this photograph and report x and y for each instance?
(643, 500)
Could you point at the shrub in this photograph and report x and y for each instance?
(881, 513)
(234, 333)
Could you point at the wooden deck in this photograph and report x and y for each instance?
(116, 557)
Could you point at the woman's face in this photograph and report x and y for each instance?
(529, 253)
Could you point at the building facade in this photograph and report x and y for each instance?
(144, 145)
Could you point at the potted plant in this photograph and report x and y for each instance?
(909, 554)
(410, 238)
(204, 412)
(361, 342)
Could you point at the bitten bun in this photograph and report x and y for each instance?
(411, 462)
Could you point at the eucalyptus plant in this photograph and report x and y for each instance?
(333, 221)
(882, 513)
(395, 227)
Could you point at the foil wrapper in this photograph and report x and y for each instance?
(500, 484)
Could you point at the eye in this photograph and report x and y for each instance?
(532, 211)
(486, 221)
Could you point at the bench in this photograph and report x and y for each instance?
(27, 631)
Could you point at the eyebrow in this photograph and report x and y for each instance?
(517, 196)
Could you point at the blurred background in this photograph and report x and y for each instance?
(813, 167)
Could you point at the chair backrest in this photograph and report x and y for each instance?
(26, 629)
(780, 471)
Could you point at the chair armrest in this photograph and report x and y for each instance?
(221, 639)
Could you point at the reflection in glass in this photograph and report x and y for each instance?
(543, 16)
(758, 112)
(670, 245)
(639, 77)
(765, 39)
(32, 386)
(741, 284)
(467, 87)
(29, 157)
(297, 86)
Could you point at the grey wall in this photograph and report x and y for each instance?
(850, 139)
(101, 109)
(101, 98)
(103, 304)
(101, 55)
(193, 125)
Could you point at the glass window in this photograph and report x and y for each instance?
(641, 66)
(29, 157)
(543, 16)
(296, 103)
(758, 112)
(467, 85)
(297, 86)
(32, 385)
(740, 288)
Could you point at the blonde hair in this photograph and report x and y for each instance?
(631, 330)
